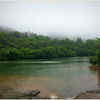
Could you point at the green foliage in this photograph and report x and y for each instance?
(96, 59)
(16, 45)
(93, 60)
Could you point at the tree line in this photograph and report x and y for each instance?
(16, 45)
(95, 60)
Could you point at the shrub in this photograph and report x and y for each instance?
(93, 60)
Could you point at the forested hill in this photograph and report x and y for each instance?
(16, 45)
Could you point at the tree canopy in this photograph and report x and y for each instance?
(95, 60)
(16, 45)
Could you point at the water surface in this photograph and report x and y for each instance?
(60, 77)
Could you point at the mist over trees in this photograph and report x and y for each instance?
(15, 45)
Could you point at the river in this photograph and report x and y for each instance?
(64, 77)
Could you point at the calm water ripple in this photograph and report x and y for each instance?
(60, 77)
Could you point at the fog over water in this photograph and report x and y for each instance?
(52, 17)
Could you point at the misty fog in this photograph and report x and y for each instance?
(59, 18)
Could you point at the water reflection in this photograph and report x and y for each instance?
(98, 78)
(66, 79)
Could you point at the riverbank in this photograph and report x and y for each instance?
(18, 95)
(9, 93)
(92, 94)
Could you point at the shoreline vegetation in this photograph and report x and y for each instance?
(15, 45)
(95, 60)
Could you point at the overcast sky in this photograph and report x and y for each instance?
(70, 17)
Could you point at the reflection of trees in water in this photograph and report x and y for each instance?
(7, 92)
(98, 78)
(97, 72)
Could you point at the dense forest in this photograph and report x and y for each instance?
(16, 45)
